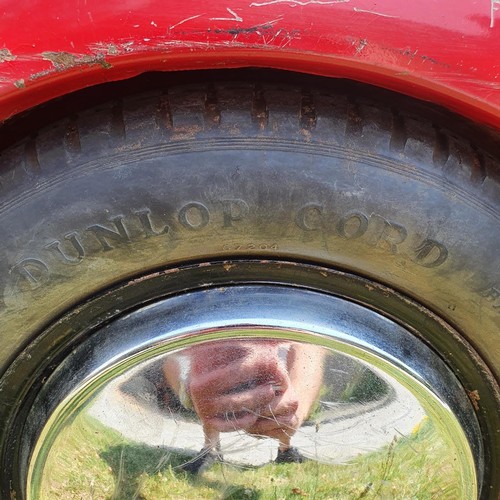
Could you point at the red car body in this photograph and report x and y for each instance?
(444, 51)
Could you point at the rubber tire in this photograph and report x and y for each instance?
(238, 169)
(204, 172)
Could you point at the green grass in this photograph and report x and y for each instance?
(95, 463)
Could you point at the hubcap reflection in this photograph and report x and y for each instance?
(253, 392)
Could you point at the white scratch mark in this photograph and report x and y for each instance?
(273, 21)
(494, 8)
(412, 56)
(185, 21)
(235, 17)
(287, 37)
(154, 24)
(362, 44)
(286, 41)
(294, 3)
(376, 13)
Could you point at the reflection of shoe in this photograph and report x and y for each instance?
(289, 456)
(204, 460)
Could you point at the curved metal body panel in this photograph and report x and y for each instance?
(445, 51)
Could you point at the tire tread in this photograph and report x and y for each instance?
(189, 111)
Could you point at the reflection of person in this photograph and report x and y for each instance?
(264, 387)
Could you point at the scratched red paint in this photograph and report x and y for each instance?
(446, 51)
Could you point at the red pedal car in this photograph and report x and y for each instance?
(266, 230)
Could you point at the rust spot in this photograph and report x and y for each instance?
(40, 74)
(6, 55)
(227, 266)
(144, 278)
(474, 397)
(60, 60)
(112, 50)
(65, 60)
(424, 58)
(252, 29)
(432, 60)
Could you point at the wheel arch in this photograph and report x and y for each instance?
(407, 49)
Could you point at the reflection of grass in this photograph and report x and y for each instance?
(93, 463)
(76, 466)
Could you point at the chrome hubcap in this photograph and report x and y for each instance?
(252, 390)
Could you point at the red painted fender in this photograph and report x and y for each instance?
(445, 51)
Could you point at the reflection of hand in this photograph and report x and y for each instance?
(264, 387)
(242, 385)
